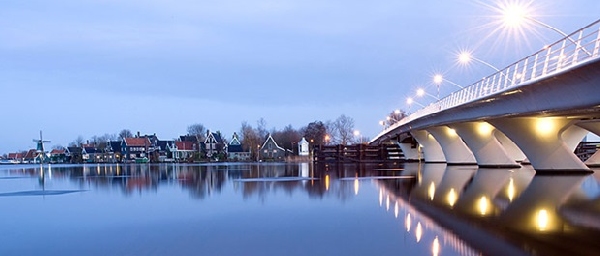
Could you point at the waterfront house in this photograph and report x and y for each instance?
(17, 157)
(32, 156)
(185, 151)
(74, 154)
(235, 150)
(135, 148)
(213, 145)
(270, 151)
(113, 151)
(303, 147)
(164, 149)
(58, 156)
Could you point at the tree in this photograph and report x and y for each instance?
(58, 146)
(250, 139)
(344, 129)
(77, 142)
(395, 116)
(261, 128)
(125, 133)
(287, 138)
(315, 132)
(196, 129)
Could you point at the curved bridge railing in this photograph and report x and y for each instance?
(578, 47)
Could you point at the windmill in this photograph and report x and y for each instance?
(40, 147)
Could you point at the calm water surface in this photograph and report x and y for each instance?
(293, 209)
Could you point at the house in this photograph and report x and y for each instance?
(164, 150)
(235, 150)
(32, 156)
(90, 154)
(213, 145)
(18, 157)
(135, 148)
(270, 151)
(74, 154)
(184, 151)
(303, 147)
(113, 151)
(58, 156)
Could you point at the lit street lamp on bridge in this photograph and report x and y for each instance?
(516, 16)
(438, 79)
(421, 93)
(466, 57)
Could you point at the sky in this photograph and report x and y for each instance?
(84, 68)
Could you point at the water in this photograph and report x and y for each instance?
(293, 209)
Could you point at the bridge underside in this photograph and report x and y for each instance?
(539, 123)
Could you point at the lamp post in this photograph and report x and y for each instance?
(410, 101)
(357, 134)
(421, 93)
(515, 15)
(466, 57)
(439, 79)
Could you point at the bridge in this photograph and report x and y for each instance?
(533, 111)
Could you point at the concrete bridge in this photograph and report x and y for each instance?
(535, 111)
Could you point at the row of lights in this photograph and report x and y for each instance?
(514, 16)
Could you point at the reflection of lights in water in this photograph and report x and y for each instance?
(98, 169)
(452, 197)
(435, 247)
(419, 232)
(380, 197)
(510, 190)
(396, 209)
(407, 222)
(387, 203)
(541, 220)
(356, 186)
(326, 182)
(482, 205)
(431, 190)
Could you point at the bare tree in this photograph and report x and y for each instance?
(250, 139)
(344, 128)
(196, 129)
(395, 116)
(58, 146)
(288, 137)
(125, 133)
(261, 128)
(77, 142)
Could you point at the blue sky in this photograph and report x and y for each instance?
(85, 68)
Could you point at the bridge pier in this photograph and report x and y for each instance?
(510, 147)
(544, 140)
(488, 151)
(432, 151)
(410, 152)
(454, 148)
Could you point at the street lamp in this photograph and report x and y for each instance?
(438, 79)
(515, 15)
(357, 134)
(410, 101)
(421, 93)
(465, 57)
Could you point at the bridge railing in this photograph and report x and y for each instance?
(578, 47)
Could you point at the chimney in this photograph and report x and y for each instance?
(138, 134)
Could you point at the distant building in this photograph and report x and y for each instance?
(74, 154)
(235, 150)
(303, 147)
(184, 151)
(58, 156)
(270, 151)
(213, 145)
(135, 148)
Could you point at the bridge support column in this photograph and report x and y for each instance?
(454, 148)
(544, 140)
(511, 148)
(479, 137)
(594, 127)
(410, 153)
(432, 151)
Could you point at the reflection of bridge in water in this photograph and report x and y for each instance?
(544, 215)
(535, 110)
